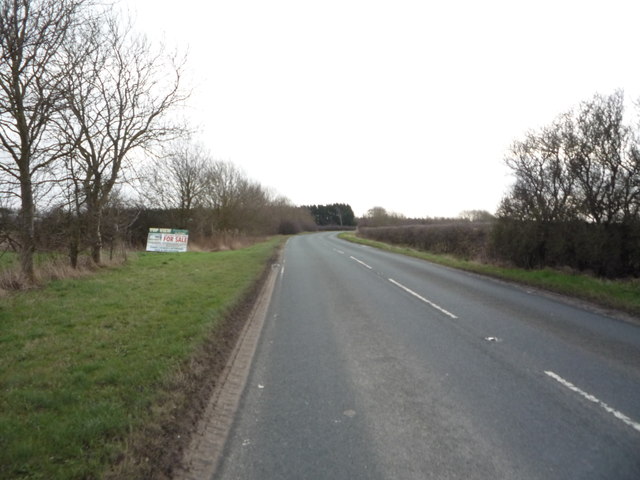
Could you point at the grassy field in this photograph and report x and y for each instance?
(83, 361)
(619, 294)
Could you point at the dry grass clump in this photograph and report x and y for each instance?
(223, 241)
(53, 267)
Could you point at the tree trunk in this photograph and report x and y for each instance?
(73, 252)
(27, 230)
(94, 215)
(74, 237)
(96, 242)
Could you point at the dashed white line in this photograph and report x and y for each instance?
(428, 302)
(591, 398)
(339, 251)
(361, 263)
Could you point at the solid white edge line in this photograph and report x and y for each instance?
(591, 398)
(428, 302)
(361, 262)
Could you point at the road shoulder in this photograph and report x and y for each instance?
(204, 452)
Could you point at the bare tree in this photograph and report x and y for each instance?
(585, 165)
(631, 178)
(379, 216)
(178, 180)
(119, 93)
(222, 195)
(286, 218)
(234, 202)
(32, 33)
(604, 159)
(543, 190)
(256, 207)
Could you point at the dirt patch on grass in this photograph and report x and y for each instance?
(156, 451)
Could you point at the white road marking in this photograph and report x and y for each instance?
(361, 263)
(339, 251)
(428, 302)
(591, 398)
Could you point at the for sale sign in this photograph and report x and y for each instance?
(167, 240)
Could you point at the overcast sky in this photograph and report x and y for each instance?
(408, 105)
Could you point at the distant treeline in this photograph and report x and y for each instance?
(335, 214)
(125, 224)
(575, 201)
(379, 216)
(187, 189)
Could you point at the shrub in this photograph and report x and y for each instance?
(464, 239)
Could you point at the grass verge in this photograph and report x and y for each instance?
(91, 368)
(619, 294)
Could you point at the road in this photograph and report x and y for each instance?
(373, 365)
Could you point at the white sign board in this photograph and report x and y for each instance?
(167, 240)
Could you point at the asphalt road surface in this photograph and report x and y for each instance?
(373, 365)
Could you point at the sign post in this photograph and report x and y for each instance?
(167, 240)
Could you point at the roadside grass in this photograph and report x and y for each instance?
(619, 294)
(83, 361)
